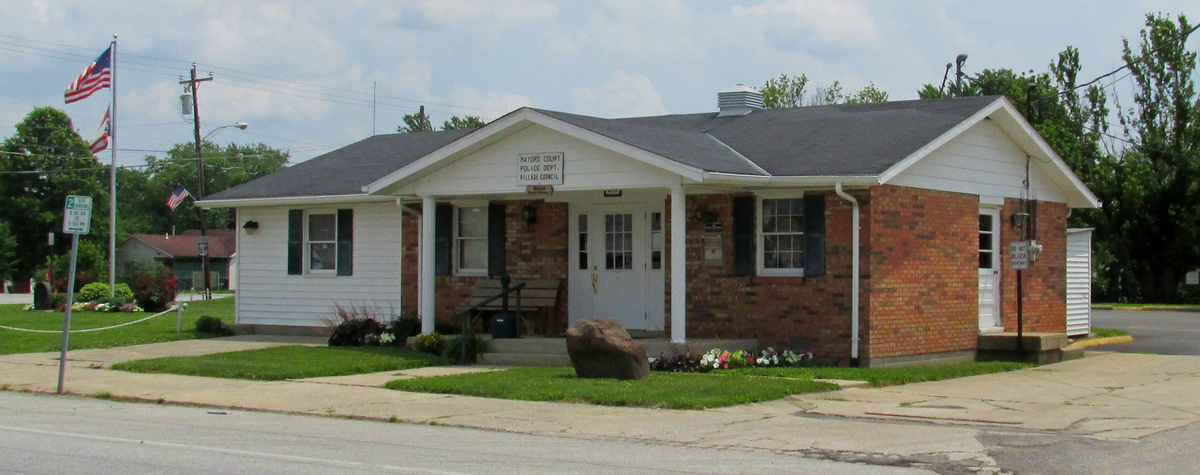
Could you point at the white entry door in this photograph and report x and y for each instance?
(609, 264)
(989, 269)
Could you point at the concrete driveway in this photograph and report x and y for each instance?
(1157, 332)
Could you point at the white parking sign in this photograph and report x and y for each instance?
(77, 215)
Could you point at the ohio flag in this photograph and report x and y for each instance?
(95, 77)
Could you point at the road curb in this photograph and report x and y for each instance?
(1102, 341)
(1147, 309)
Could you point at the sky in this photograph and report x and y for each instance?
(313, 76)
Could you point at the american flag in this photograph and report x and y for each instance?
(176, 197)
(101, 142)
(95, 77)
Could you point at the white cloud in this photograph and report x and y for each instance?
(625, 95)
(634, 28)
(488, 106)
(792, 24)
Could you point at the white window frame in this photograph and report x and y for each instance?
(308, 243)
(455, 254)
(760, 240)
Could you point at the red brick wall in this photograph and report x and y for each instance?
(1045, 282)
(923, 272)
(771, 309)
(537, 251)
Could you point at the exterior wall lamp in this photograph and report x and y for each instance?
(251, 227)
(1019, 219)
(529, 212)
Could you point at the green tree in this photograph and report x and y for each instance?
(143, 193)
(418, 122)
(791, 91)
(42, 163)
(1160, 171)
(467, 122)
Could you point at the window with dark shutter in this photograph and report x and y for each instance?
(295, 244)
(345, 242)
(743, 235)
(814, 235)
(496, 237)
(443, 236)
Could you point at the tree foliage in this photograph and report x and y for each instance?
(420, 122)
(42, 163)
(467, 122)
(792, 91)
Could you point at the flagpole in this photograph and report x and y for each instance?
(112, 181)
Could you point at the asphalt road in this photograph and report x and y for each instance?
(1162, 333)
(44, 434)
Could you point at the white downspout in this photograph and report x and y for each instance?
(854, 276)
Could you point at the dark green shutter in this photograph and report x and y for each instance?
(743, 235)
(496, 238)
(814, 235)
(345, 242)
(443, 231)
(295, 244)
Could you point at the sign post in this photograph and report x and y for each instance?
(1019, 251)
(77, 219)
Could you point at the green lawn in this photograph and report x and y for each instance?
(888, 376)
(287, 362)
(1108, 332)
(155, 330)
(660, 390)
(1149, 306)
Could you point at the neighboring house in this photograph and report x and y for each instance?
(181, 253)
(777, 201)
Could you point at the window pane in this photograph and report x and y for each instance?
(985, 222)
(472, 254)
(583, 223)
(322, 227)
(656, 221)
(985, 242)
(472, 222)
(322, 256)
(583, 260)
(985, 260)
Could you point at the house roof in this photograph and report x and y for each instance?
(873, 142)
(343, 171)
(831, 140)
(222, 243)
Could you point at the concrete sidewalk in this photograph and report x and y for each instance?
(1111, 396)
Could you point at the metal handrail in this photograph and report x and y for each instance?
(505, 290)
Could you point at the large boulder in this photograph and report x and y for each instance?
(602, 349)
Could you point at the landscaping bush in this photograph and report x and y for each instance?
(212, 326)
(454, 347)
(93, 292)
(357, 332)
(431, 343)
(404, 326)
(153, 288)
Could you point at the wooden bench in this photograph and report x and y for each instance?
(538, 295)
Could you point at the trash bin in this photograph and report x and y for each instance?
(504, 326)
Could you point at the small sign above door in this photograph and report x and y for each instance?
(540, 168)
(539, 190)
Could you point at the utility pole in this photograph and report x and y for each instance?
(192, 84)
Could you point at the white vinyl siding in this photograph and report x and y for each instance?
(493, 169)
(267, 295)
(982, 161)
(1079, 281)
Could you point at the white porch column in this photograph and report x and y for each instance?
(678, 265)
(425, 282)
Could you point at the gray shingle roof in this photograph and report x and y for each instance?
(346, 170)
(833, 140)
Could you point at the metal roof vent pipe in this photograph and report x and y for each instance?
(739, 100)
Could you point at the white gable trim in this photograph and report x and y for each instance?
(292, 201)
(504, 127)
(1018, 129)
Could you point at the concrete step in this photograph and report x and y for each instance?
(524, 359)
(535, 346)
(1072, 353)
(1007, 341)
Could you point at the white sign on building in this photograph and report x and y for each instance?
(540, 169)
(1019, 252)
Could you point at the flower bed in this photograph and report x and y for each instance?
(718, 359)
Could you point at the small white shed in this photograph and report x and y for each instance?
(1079, 281)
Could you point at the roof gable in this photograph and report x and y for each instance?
(222, 243)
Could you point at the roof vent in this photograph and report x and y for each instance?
(738, 100)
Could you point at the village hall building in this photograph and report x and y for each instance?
(875, 232)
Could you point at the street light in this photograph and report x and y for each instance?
(239, 125)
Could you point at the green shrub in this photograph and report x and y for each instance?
(123, 292)
(431, 343)
(212, 326)
(475, 346)
(93, 292)
(357, 332)
(153, 287)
